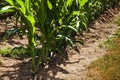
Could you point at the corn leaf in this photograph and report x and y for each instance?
(69, 27)
(31, 20)
(27, 5)
(21, 3)
(6, 9)
(82, 2)
(85, 25)
(49, 4)
(60, 36)
(11, 2)
(12, 31)
(69, 2)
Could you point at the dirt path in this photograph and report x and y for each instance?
(76, 67)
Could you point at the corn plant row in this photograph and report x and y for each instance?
(55, 20)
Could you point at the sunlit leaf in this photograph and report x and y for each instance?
(21, 3)
(82, 2)
(49, 4)
(6, 9)
(69, 2)
(27, 4)
(11, 2)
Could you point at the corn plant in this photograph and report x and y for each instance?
(54, 27)
(52, 30)
(23, 9)
(55, 20)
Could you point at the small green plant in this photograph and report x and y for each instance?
(118, 33)
(5, 52)
(109, 43)
(19, 52)
(16, 52)
(117, 21)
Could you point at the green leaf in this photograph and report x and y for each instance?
(69, 3)
(85, 25)
(21, 3)
(10, 32)
(69, 27)
(75, 13)
(49, 4)
(31, 19)
(6, 9)
(60, 36)
(11, 2)
(82, 2)
(27, 5)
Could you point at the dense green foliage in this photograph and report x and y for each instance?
(52, 22)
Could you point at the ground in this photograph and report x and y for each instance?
(75, 67)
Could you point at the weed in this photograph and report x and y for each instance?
(5, 52)
(117, 20)
(16, 52)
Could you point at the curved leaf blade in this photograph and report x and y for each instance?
(49, 4)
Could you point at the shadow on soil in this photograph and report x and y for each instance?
(22, 71)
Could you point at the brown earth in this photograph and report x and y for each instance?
(75, 67)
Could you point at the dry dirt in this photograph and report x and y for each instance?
(75, 67)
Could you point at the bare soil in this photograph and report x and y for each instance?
(75, 66)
